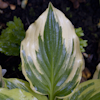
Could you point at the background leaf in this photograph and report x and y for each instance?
(16, 94)
(11, 37)
(89, 90)
(83, 43)
(97, 72)
(13, 83)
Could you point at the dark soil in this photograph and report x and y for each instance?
(86, 16)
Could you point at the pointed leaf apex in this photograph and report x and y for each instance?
(50, 5)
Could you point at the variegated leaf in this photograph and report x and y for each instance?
(50, 54)
(16, 94)
(13, 83)
(89, 90)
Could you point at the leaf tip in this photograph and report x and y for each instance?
(50, 6)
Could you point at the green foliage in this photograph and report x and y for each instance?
(83, 43)
(11, 37)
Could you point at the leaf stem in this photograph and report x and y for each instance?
(51, 97)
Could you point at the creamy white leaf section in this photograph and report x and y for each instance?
(97, 72)
(16, 94)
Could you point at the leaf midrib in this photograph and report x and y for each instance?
(52, 81)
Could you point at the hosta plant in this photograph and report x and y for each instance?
(51, 63)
